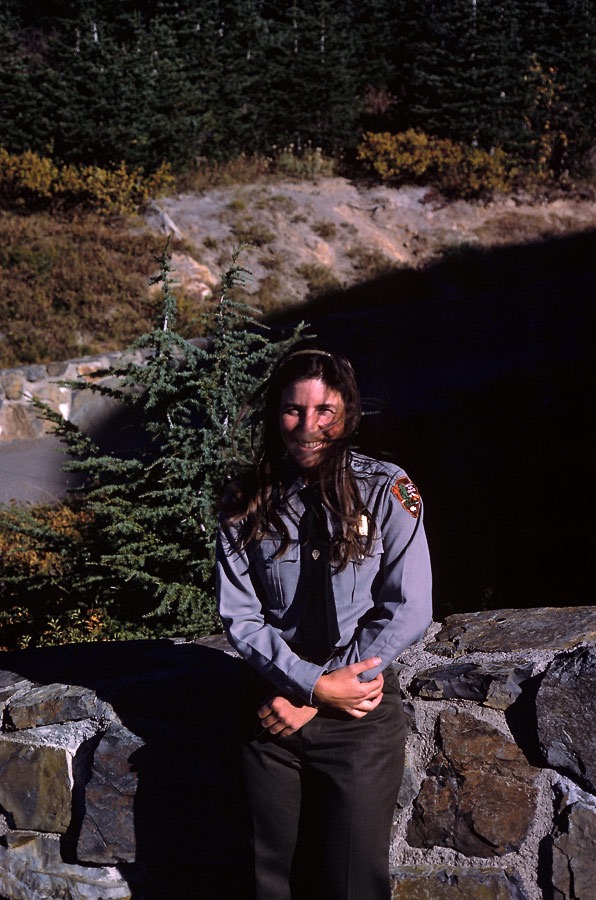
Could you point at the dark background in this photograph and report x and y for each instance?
(478, 378)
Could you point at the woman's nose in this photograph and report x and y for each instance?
(310, 422)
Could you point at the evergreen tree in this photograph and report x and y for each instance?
(573, 66)
(119, 92)
(460, 67)
(377, 62)
(141, 81)
(154, 503)
(230, 81)
(310, 88)
(25, 120)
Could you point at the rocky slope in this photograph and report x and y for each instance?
(304, 238)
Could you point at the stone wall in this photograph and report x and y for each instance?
(119, 775)
(19, 420)
(31, 457)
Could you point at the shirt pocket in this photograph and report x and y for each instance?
(278, 575)
(367, 575)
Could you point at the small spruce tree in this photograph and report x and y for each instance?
(154, 501)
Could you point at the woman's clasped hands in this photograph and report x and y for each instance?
(341, 689)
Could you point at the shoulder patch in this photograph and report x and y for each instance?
(407, 494)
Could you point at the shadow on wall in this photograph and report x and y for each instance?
(478, 378)
(180, 714)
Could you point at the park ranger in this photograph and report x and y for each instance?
(323, 580)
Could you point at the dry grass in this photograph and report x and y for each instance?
(319, 279)
(72, 287)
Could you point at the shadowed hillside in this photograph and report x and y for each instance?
(479, 379)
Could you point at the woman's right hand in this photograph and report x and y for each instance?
(343, 689)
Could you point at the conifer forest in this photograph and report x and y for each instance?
(147, 81)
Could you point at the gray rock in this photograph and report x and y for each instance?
(36, 373)
(566, 715)
(31, 868)
(573, 861)
(455, 883)
(11, 684)
(57, 369)
(511, 630)
(108, 829)
(410, 784)
(496, 685)
(51, 393)
(53, 703)
(36, 785)
(91, 411)
(13, 383)
(480, 798)
(18, 422)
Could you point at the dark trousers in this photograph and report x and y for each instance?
(322, 802)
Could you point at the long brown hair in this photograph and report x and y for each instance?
(253, 503)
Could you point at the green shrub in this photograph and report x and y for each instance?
(41, 551)
(369, 262)
(305, 162)
(249, 231)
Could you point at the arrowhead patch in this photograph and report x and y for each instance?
(407, 494)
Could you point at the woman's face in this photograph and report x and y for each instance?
(311, 414)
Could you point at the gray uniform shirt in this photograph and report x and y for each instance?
(383, 601)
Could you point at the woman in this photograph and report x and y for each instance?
(323, 579)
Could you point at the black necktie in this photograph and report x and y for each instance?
(318, 620)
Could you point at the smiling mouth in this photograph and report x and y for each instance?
(309, 445)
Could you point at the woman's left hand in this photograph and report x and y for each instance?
(282, 716)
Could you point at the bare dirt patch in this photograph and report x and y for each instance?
(345, 233)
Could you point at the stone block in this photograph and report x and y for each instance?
(89, 367)
(410, 784)
(457, 883)
(31, 868)
(11, 684)
(57, 369)
(479, 797)
(19, 422)
(108, 829)
(511, 630)
(573, 860)
(58, 398)
(566, 715)
(13, 383)
(496, 685)
(36, 373)
(91, 411)
(36, 785)
(51, 704)
(36, 776)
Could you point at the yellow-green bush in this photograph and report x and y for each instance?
(414, 157)
(36, 605)
(27, 179)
